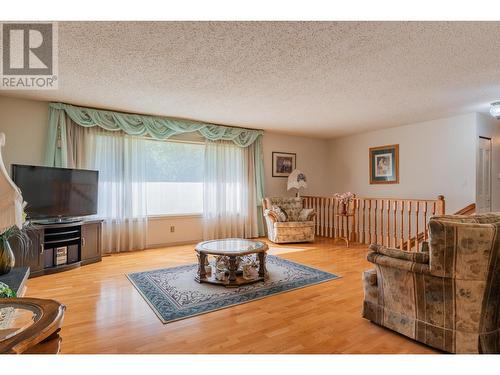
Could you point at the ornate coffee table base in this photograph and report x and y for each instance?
(235, 277)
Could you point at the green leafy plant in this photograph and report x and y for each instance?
(21, 236)
(6, 292)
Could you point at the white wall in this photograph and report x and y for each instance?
(435, 157)
(312, 159)
(25, 125)
(187, 229)
(489, 127)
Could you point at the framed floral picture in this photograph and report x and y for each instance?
(283, 163)
(384, 164)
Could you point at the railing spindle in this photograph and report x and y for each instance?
(388, 232)
(395, 234)
(357, 206)
(402, 239)
(321, 212)
(382, 222)
(416, 226)
(408, 243)
(317, 208)
(369, 221)
(325, 217)
(425, 222)
(337, 219)
(365, 222)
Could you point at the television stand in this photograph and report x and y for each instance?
(60, 246)
(59, 220)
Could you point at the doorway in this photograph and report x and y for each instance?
(483, 185)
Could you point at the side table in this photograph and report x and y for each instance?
(343, 232)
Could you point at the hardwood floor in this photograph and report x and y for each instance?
(105, 314)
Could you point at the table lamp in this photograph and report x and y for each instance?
(297, 180)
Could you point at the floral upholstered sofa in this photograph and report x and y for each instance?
(446, 296)
(287, 220)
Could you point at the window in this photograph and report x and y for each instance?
(174, 177)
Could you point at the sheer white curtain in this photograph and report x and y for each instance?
(121, 162)
(229, 199)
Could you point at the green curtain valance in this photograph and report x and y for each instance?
(157, 127)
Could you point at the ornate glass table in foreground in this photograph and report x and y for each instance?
(30, 325)
(230, 254)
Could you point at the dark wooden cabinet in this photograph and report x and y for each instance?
(91, 242)
(81, 240)
(31, 257)
(35, 253)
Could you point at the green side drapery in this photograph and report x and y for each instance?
(259, 183)
(56, 149)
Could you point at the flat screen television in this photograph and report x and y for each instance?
(56, 193)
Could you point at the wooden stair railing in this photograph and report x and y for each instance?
(388, 221)
(467, 210)
(393, 222)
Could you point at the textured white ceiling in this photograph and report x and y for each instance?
(322, 79)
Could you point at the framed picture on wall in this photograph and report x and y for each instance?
(384, 164)
(283, 163)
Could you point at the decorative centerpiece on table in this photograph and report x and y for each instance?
(12, 217)
(246, 265)
(249, 267)
(344, 200)
(222, 267)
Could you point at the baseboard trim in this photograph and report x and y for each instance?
(169, 244)
(155, 246)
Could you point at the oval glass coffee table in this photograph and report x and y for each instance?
(233, 249)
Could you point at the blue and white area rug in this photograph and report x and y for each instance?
(174, 294)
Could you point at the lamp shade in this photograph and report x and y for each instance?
(296, 180)
(11, 200)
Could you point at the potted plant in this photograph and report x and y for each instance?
(6, 292)
(7, 259)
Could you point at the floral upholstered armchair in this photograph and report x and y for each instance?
(446, 296)
(288, 221)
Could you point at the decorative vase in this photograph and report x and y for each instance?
(220, 275)
(7, 259)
